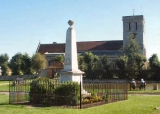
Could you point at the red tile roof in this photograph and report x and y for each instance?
(83, 46)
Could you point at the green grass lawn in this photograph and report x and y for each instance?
(2, 82)
(4, 87)
(144, 92)
(134, 105)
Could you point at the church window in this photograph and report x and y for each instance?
(129, 26)
(136, 25)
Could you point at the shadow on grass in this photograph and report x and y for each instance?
(4, 104)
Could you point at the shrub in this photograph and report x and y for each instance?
(67, 93)
(40, 88)
(90, 99)
(43, 91)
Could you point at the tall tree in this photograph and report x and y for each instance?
(91, 62)
(81, 65)
(105, 64)
(38, 61)
(131, 49)
(121, 63)
(4, 58)
(16, 64)
(154, 64)
(140, 61)
(26, 64)
(135, 58)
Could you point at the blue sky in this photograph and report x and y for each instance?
(23, 23)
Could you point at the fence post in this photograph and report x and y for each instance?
(126, 90)
(9, 92)
(80, 95)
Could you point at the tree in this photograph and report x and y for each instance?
(154, 64)
(140, 61)
(26, 65)
(91, 62)
(81, 65)
(105, 64)
(5, 64)
(121, 63)
(59, 58)
(131, 49)
(16, 64)
(135, 59)
(38, 61)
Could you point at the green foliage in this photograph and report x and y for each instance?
(26, 64)
(4, 64)
(133, 61)
(91, 62)
(42, 90)
(81, 64)
(131, 50)
(121, 63)
(38, 61)
(105, 63)
(21, 64)
(140, 61)
(67, 93)
(154, 64)
(59, 58)
(66, 89)
(132, 47)
(105, 67)
(42, 87)
(91, 99)
(16, 64)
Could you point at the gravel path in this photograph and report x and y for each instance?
(6, 93)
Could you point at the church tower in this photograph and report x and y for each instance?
(134, 24)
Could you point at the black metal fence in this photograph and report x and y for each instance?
(19, 90)
(89, 93)
(114, 90)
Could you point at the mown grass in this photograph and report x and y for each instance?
(144, 92)
(3, 82)
(4, 87)
(134, 105)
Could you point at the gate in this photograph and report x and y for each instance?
(19, 91)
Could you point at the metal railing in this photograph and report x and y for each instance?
(91, 93)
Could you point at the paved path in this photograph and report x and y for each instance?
(4, 93)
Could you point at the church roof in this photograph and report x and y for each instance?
(82, 46)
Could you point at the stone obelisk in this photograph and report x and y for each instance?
(71, 71)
